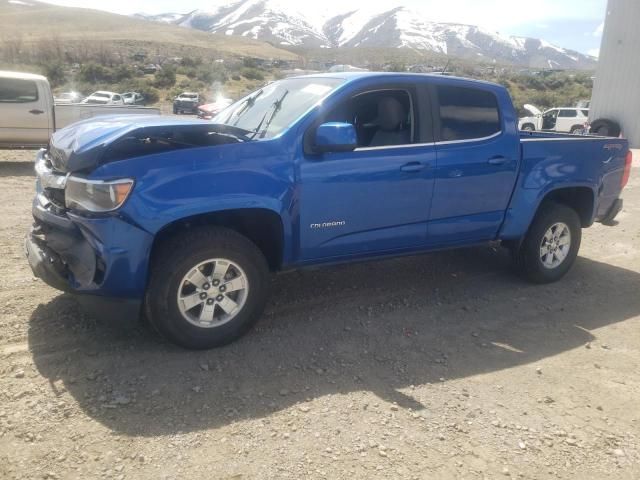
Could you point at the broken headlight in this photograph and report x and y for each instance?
(96, 195)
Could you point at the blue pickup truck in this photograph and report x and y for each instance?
(186, 219)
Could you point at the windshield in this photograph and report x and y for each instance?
(270, 110)
(101, 95)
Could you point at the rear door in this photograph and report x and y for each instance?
(567, 118)
(477, 152)
(24, 118)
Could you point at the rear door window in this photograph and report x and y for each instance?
(14, 90)
(568, 113)
(467, 113)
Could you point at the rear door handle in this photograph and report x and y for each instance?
(412, 167)
(36, 112)
(498, 160)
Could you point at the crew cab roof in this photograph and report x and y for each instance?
(390, 76)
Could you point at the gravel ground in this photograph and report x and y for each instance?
(436, 366)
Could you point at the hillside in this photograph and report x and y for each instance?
(376, 27)
(30, 22)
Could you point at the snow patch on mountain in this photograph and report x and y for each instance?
(281, 23)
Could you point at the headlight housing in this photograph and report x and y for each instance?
(96, 195)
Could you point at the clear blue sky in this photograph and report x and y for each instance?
(572, 24)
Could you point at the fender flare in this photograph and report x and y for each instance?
(515, 227)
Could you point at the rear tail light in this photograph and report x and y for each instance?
(627, 168)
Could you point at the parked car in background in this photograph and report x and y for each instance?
(68, 97)
(133, 98)
(186, 102)
(28, 114)
(569, 120)
(189, 217)
(210, 110)
(104, 98)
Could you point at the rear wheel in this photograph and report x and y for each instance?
(207, 288)
(551, 245)
(577, 130)
(528, 127)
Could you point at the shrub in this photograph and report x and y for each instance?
(252, 74)
(145, 87)
(190, 62)
(165, 77)
(211, 74)
(55, 73)
(94, 73)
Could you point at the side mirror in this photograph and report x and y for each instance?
(335, 137)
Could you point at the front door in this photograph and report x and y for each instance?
(374, 199)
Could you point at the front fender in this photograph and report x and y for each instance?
(176, 185)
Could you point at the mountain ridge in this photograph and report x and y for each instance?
(399, 27)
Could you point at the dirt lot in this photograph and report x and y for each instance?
(438, 366)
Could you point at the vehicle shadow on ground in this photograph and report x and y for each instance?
(16, 169)
(378, 327)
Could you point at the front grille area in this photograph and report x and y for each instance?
(51, 181)
(55, 196)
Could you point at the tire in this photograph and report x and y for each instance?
(528, 256)
(175, 111)
(577, 130)
(168, 283)
(605, 128)
(528, 127)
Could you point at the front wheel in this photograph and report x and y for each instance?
(207, 288)
(551, 245)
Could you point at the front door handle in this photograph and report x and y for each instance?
(497, 160)
(412, 167)
(36, 112)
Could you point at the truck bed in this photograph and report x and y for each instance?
(555, 160)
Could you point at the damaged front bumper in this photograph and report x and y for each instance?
(57, 251)
(105, 256)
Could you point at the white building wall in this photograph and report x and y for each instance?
(616, 92)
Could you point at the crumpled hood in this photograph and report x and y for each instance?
(80, 145)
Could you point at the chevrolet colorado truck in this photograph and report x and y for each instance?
(186, 218)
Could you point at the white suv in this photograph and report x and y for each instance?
(104, 98)
(572, 120)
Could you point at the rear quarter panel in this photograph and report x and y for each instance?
(551, 162)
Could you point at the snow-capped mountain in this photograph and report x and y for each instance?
(280, 24)
(162, 17)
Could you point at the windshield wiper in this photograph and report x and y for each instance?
(276, 108)
(248, 103)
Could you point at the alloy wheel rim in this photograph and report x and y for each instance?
(212, 293)
(555, 245)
